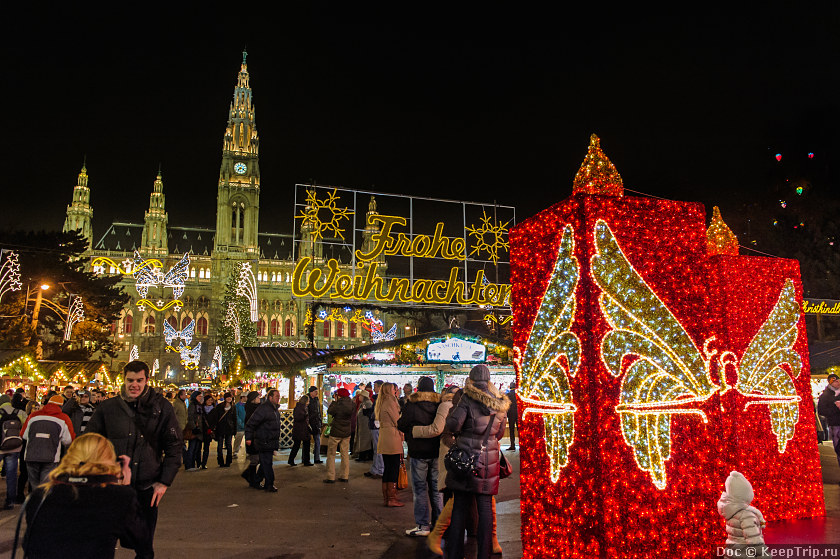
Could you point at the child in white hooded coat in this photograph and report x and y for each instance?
(744, 524)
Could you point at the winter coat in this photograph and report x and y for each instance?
(390, 440)
(45, 432)
(340, 410)
(316, 417)
(436, 429)
(7, 409)
(76, 413)
(300, 428)
(826, 407)
(744, 524)
(512, 412)
(83, 521)
(420, 409)
(364, 440)
(180, 408)
(19, 401)
(264, 427)
(195, 421)
(240, 417)
(468, 422)
(223, 423)
(145, 429)
(371, 414)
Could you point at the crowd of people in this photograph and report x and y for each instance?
(154, 434)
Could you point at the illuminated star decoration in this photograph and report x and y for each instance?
(75, 314)
(669, 374)
(10, 274)
(246, 286)
(312, 214)
(490, 237)
(551, 356)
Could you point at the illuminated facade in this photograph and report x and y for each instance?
(645, 379)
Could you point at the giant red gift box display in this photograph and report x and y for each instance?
(652, 361)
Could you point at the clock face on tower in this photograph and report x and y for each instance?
(240, 168)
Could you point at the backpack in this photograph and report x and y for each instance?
(10, 425)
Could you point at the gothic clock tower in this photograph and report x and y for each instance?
(238, 202)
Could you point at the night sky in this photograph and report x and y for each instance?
(475, 105)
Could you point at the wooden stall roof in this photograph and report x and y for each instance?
(280, 358)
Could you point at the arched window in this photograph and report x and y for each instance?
(173, 321)
(207, 273)
(261, 328)
(339, 329)
(128, 324)
(273, 276)
(149, 325)
(287, 328)
(185, 321)
(352, 329)
(327, 329)
(201, 273)
(201, 326)
(275, 327)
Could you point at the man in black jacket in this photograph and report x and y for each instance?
(420, 409)
(316, 421)
(263, 430)
(142, 424)
(828, 406)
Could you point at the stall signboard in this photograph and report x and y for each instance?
(403, 250)
(455, 350)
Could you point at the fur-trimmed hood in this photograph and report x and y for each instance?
(447, 397)
(417, 397)
(492, 399)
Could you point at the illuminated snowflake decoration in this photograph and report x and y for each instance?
(490, 237)
(312, 214)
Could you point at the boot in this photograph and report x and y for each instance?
(248, 474)
(392, 496)
(434, 537)
(497, 548)
(385, 493)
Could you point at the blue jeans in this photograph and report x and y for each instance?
(378, 466)
(10, 463)
(424, 482)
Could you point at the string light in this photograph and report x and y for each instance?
(603, 503)
(246, 286)
(9, 273)
(75, 314)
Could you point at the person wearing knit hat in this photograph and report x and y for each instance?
(340, 409)
(480, 415)
(43, 444)
(420, 410)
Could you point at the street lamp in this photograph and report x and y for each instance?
(37, 310)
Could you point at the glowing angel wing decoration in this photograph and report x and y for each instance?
(169, 333)
(188, 332)
(760, 375)
(177, 275)
(147, 273)
(552, 354)
(669, 372)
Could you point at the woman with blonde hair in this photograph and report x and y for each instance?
(390, 444)
(85, 506)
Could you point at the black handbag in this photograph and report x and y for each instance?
(461, 462)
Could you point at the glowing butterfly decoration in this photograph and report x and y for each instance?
(551, 356)
(190, 355)
(232, 320)
(9, 273)
(246, 287)
(170, 334)
(148, 273)
(669, 375)
(388, 336)
(134, 354)
(75, 314)
(177, 276)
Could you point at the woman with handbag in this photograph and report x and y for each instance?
(222, 421)
(478, 424)
(301, 433)
(390, 444)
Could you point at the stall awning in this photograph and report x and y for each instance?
(280, 358)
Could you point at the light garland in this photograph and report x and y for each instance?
(232, 320)
(75, 314)
(246, 286)
(217, 358)
(9, 273)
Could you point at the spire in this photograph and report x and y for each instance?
(719, 237)
(80, 212)
(154, 239)
(597, 175)
(245, 56)
(241, 134)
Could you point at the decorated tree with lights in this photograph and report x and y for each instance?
(56, 260)
(235, 327)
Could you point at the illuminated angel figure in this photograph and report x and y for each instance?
(667, 374)
(190, 356)
(170, 333)
(388, 336)
(551, 356)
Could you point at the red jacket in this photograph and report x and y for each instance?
(55, 411)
